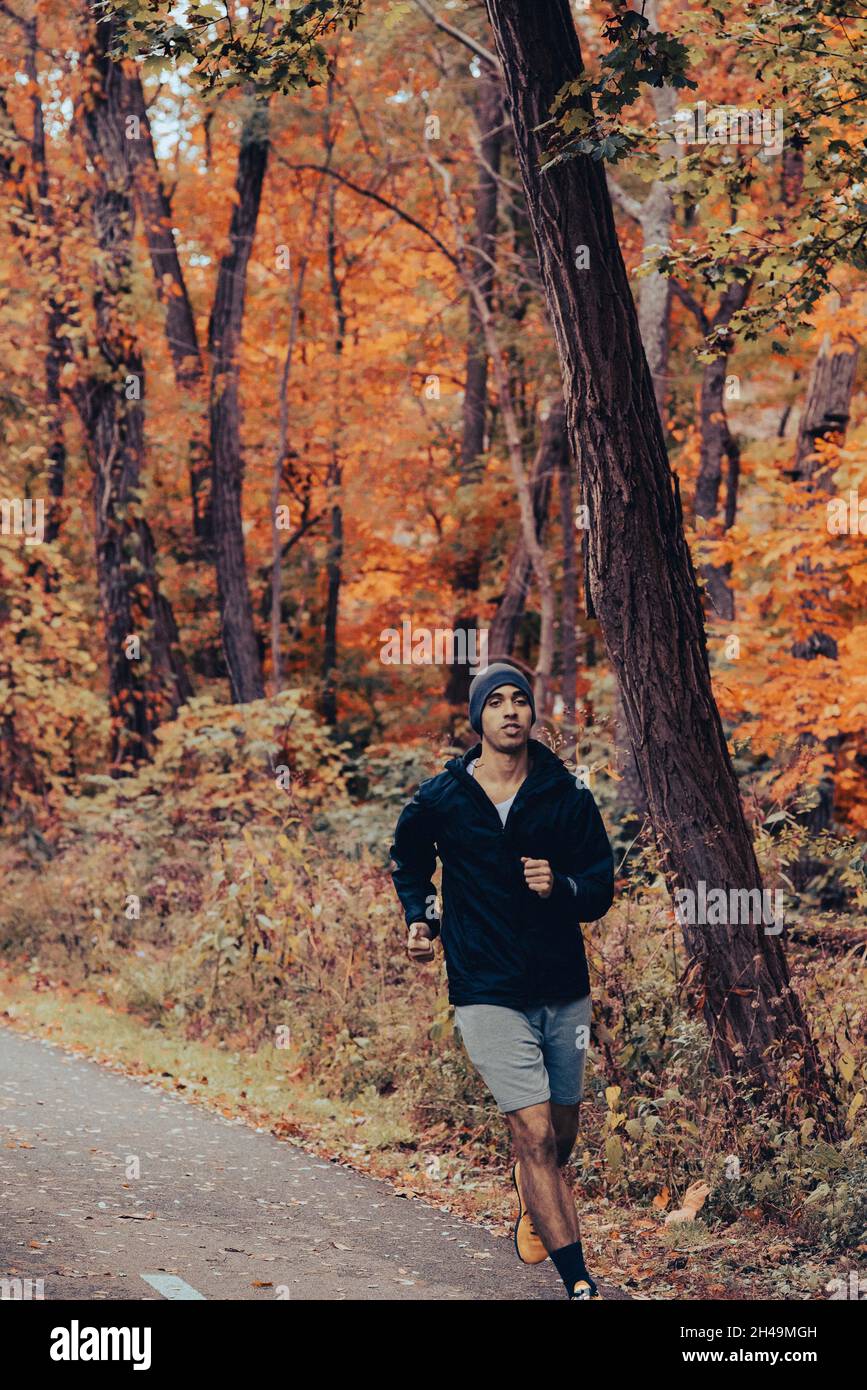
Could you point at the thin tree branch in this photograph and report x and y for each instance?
(377, 198)
(466, 39)
(691, 303)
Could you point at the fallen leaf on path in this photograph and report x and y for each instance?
(693, 1201)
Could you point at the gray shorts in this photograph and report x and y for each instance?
(525, 1058)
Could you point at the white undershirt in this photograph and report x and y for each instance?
(502, 807)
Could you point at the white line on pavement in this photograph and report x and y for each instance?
(170, 1286)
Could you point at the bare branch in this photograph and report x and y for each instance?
(377, 198)
(466, 39)
(10, 14)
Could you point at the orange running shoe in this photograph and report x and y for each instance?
(528, 1242)
(583, 1290)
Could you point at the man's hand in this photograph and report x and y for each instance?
(420, 942)
(538, 876)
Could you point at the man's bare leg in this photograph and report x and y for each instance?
(564, 1118)
(538, 1146)
(547, 1195)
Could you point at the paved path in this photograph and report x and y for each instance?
(218, 1209)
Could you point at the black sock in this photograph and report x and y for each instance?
(569, 1260)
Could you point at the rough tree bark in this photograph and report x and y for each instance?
(642, 580)
(240, 647)
(148, 687)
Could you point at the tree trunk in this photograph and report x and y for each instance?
(825, 416)
(643, 584)
(654, 216)
(568, 601)
(57, 351)
(224, 335)
(719, 444)
(792, 171)
(552, 449)
(490, 118)
(334, 558)
(280, 456)
(654, 293)
(180, 323)
(147, 680)
(29, 178)
(631, 801)
(829, 401)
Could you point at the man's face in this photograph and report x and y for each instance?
(506, 719)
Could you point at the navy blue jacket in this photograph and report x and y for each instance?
(504, 944)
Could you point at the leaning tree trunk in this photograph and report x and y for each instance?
(147, 676)
(490, 116)
(171, 288)
(553, 448)
(642, 581)
(240, 647)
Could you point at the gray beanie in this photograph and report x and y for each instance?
(485, 682)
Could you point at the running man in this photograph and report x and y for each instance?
(525, 860)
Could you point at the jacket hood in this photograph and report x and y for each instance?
(545, 767)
